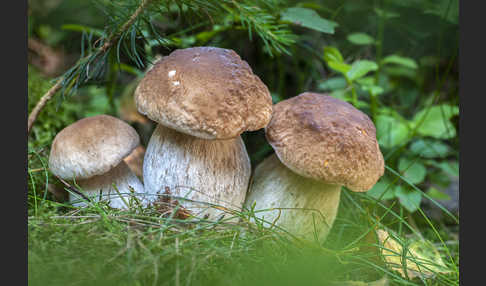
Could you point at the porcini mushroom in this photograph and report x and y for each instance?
(91, 151)
(321, 143)
(203, 98)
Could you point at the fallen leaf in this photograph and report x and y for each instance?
(422, 258)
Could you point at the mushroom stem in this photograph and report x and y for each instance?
(306, 207)
(202, 171)
(101, 186)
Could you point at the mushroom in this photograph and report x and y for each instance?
(91, 151)
(321, 143)
(202, 98)
(135, 161)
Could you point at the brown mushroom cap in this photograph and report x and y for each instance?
(321, 137)
(91, 146)
(206, 92)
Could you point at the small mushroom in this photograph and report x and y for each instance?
(135, 161)
(321, 143)
(91, 151)
(202, 98)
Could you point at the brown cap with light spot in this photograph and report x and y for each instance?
(205, 92)
(324, 138)
(91, 146)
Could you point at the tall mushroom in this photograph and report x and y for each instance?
(321, 143)
(202, 98)
(91, 152)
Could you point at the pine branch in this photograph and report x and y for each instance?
(257, 16)
(59, 84)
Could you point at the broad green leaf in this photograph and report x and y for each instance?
(373, 89)
(449, 167)
(428, 148)
(360, 39)
(390, 131)
(382, 187)
(339, 67)
(400, 71)
(403, 61)
(409, 198)
(413, 171)
(435, 121)
(360, 104)
(367, 80)
(360, 69)
(308, 18)
(332, 54)
(342, 94)
(333, 83)
(437, 195)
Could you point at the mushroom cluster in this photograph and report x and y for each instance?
(91, 152)
(202, 98)
(321, 143)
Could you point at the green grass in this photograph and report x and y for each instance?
(97, 245)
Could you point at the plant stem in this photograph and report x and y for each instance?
(58, 85)
(355, 96)
(374, 106)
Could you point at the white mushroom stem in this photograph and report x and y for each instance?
(306, 207)
(101, 187)
(202, 171)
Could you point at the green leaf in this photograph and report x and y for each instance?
(342, 94)
(339, 67)
(390, 131)
(435, 121)
(413, 171)
(382, 187)
(367, 80)
(398, 60)
(308, 18)
(449, 167)
(333, 83)
(360, 69)
(332, 54)
(438, 195)
(360, 39)
(428, 148)
(409, 198)
(400, 71)
(373, 89)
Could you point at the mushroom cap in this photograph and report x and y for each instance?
(324, 138)
(91, 146)
(205, 92)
